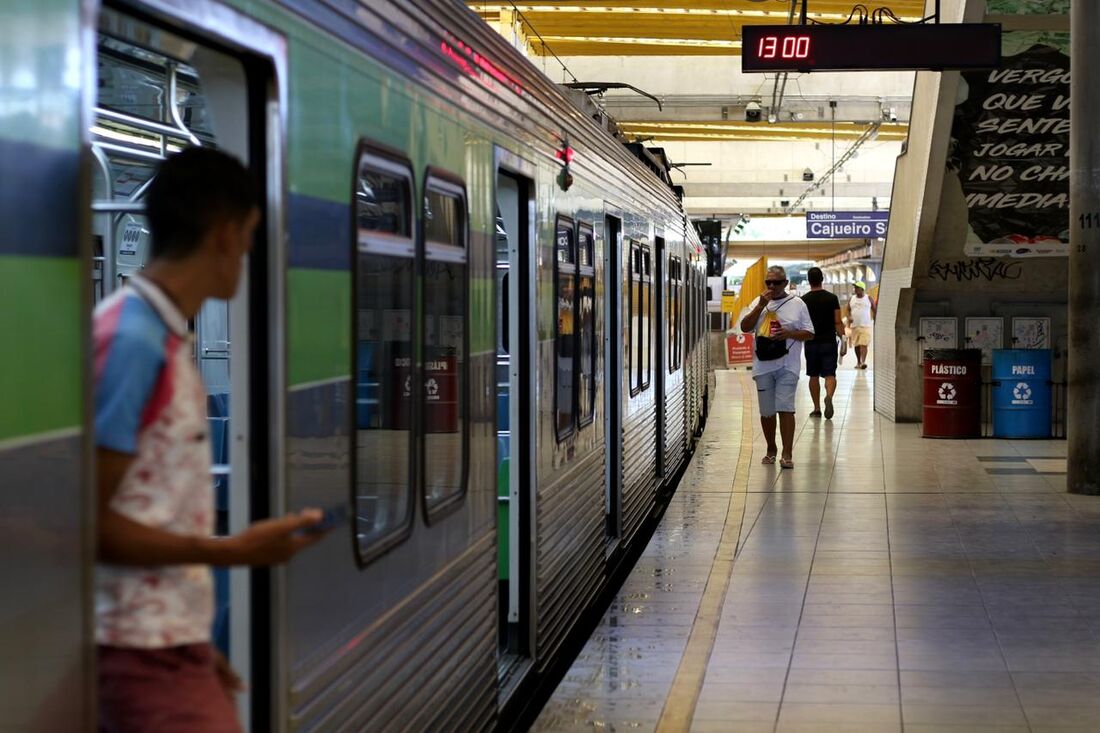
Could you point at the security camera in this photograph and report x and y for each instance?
(893, 114)
(752, 112)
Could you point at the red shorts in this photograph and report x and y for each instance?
(173, 690)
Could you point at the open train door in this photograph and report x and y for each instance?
(516, 431)
(174, 74)
(614, 345)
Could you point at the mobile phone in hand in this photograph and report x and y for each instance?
(331, 519)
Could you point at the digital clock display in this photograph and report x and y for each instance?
(930, 46)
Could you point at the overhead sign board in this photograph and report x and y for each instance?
(870, 47)
(846, 224)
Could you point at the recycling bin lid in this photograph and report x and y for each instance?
(953, 354)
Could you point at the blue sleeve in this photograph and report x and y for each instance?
(133, 364)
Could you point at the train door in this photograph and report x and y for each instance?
(613, 381)
(515, 238)
(163, 86)
(661, 349)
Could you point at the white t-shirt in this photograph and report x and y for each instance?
(793, 315)
(860, 310)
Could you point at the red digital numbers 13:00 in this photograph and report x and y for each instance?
(791, 47)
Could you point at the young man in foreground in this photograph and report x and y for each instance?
(154, 595)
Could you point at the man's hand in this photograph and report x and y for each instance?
(796, 334)
(766, 296)
(272, 541)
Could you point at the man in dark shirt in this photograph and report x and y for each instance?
(821, 354)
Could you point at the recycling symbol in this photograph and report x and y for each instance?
(947, 391)
(1022, 391)
(408, 386)
(432, 386)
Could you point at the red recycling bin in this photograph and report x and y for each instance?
(952, 393)
(441, 395)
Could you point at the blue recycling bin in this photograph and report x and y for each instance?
(1022, 393)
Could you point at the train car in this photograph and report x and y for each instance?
(472, 318)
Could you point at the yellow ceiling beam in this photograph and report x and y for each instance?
(903, 8)
(721, 131)
(658, 27)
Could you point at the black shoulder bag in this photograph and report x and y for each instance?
(769, 349)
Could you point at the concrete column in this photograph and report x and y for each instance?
(1083, 429)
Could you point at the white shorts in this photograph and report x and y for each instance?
(775, 391)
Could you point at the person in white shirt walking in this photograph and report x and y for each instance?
(782, 323)
(861, 318)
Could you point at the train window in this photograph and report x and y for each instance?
(444, 384)
(586, 321)
(634, 350)
(382, 201)
(383, 353)
(565, 287)
(673, 313)
(646, 324)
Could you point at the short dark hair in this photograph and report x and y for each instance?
(815, 276)
(192, 191)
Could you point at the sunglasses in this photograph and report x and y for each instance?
(773, 283)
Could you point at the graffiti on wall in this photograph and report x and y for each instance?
(978, 269)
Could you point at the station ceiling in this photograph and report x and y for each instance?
(658, 27)
(684, 56)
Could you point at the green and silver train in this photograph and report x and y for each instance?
(473, 318)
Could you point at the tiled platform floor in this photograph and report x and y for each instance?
(888, 583)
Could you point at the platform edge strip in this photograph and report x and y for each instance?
(687, 685)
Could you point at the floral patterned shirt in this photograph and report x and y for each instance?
(150, 403)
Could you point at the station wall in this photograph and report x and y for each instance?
(954, 247)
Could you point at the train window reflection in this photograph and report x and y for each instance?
(645, 325)
(443, 387)
(632, 362)
(674, 311)
(383, 354)
(586, 326)
(382, 202)
(565, 284)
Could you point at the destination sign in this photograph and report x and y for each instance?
(870, 47)
(846, 224)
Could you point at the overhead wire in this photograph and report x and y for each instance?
(545, 45)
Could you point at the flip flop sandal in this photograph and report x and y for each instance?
(815, 413)
(768, 460)
(784, 463)
(828, 408)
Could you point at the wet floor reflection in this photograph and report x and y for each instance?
(887, 580)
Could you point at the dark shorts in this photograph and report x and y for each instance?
(173, 690)
(820, 359)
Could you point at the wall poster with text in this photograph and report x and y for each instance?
(1010, 149)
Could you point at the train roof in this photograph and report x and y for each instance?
(481, 72)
